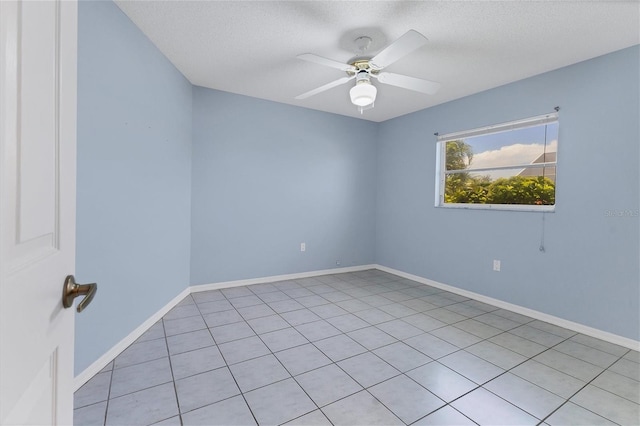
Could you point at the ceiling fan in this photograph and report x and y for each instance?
(362, 69)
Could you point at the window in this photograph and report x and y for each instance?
(508, 166)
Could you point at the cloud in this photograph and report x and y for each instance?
(511, 154)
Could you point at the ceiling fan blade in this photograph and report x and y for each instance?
(406, 82)
(310, 57)
(407, 43)
(327, 86)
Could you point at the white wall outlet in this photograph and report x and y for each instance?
(337, 263)
(303, 246)
(496, 265)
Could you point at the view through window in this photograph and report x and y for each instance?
(511, 165)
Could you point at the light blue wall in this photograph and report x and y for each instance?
(267, 177)
(590, 270)
(134, 155)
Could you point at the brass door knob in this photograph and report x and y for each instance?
(71, 290)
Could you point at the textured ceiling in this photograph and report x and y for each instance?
(250, 47)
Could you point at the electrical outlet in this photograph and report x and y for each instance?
(496, 265)
(337, 263)
(303, 246)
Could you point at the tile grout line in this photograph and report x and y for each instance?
(106, 408)
(173, 377)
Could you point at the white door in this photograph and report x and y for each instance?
(38, 49)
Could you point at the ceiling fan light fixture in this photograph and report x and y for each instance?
(363, 94)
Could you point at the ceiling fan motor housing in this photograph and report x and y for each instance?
(363, 77)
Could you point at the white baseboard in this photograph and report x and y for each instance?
(561, 322)
(274, 278)
(117, 349)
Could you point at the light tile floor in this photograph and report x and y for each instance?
(359, 348)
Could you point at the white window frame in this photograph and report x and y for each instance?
(441, 171)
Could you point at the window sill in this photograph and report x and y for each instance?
(500, 207)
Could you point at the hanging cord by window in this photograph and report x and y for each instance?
(544, 155)
(544, 169)
(544, 160)
(541, 248)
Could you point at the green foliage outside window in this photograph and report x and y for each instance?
(464, 188)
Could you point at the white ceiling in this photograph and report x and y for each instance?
(250, 47)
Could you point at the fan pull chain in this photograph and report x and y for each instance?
(541, 248)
